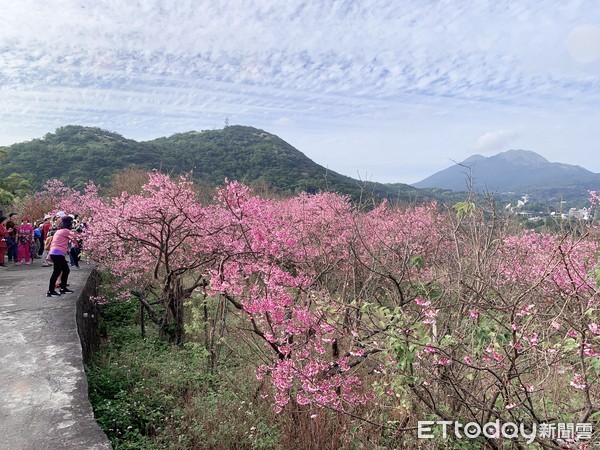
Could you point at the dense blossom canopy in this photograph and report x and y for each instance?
(460, 315)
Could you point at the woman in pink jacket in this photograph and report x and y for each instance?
(59, 248)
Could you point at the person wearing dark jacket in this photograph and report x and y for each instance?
(11, 240)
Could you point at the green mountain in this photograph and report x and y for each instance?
(76, 154)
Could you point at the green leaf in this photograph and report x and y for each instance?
(464, 208)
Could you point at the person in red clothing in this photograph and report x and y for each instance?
(3, 239)
(59, 248)
(25, 241)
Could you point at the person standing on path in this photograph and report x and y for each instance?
(25, 241)
(3, 238)
(38, 242)
(59, 247)
(47, 243)
(11, 241)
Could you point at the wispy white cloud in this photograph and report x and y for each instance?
(397, 72)
(494, 141)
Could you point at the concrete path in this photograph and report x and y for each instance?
(43, 388)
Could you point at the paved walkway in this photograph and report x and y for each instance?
(43, 388)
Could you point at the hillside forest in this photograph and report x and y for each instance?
(77, 154)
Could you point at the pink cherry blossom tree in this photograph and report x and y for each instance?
(271, 256)
(505, 328)
(154, 243)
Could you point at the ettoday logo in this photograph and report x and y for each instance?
(495, 430)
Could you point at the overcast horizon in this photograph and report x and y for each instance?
(382, 90)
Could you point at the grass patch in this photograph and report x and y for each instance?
(148, 394)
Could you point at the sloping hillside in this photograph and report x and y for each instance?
(77, 154)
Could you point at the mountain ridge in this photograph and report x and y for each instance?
(515, 170)
(75, 154)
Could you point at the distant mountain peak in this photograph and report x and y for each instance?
(513, 171)
(522, 157)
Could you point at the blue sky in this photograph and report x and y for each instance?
(386, 90)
